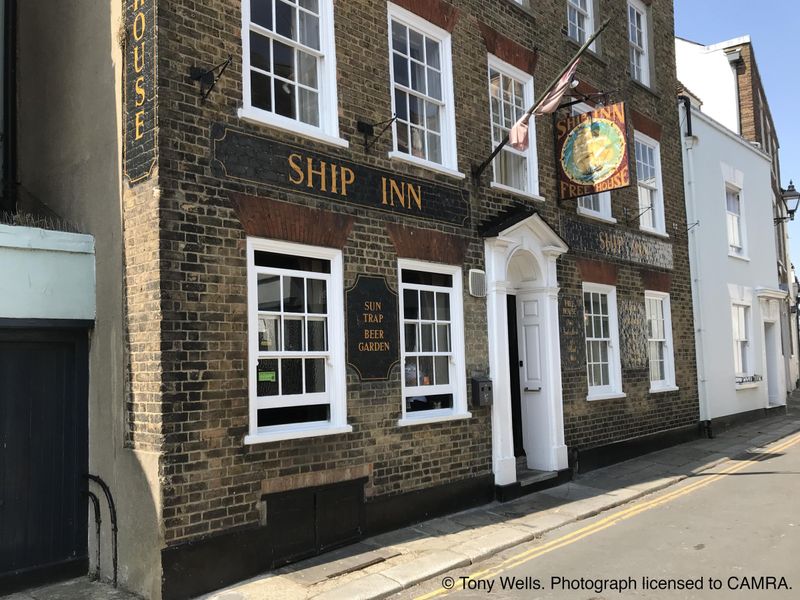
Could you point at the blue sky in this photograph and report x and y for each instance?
(772, 26)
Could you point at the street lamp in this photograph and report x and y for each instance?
(791, 199)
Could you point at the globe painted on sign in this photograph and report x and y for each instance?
(593, 151)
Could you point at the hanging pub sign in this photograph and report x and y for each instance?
(592, 152)
(373, 337)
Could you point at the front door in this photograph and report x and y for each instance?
(530, 377)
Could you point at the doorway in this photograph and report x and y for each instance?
(524, 347)
(771, 355)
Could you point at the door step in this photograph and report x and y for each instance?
(530, 476)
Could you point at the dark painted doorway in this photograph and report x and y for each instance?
(44, 443)
(513, 362)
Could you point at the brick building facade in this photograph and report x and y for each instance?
(308, 297)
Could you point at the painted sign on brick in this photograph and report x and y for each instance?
(257, 159)
(622, 245)
(140, 78)
(373, 337)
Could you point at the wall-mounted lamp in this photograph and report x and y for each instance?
(791, 198)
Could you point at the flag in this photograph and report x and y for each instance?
(549, 103)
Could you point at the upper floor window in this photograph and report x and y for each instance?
(289, 68)
(580, 20)
(597, 205)
(422, 90)
(648, 175)
(638, 42)
(432, 342)
(733, 215)
(510, 95)
(296, 341)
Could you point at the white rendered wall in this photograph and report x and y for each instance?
(705, 70)
(46, 274)
(711, 157)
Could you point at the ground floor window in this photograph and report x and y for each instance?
(659, 341)
(432, 341)
(296, 339)
(602, 340)
(740, 321)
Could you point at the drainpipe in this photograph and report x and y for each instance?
(694, 253)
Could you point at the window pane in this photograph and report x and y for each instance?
(317, 296)
(307, 69)
(309, 30)
(425, 370)
(269, 334)
(269, 293)
(293, 335)
(426, 300)
(293, 294)
(400, 69)
(309, 107)
(432, 116)
(443, 338)
(285, 19)
(411, 337)
(399, 38)
(434, 84)
(417, 142)
(410, 304)
(315, 375)
(284, 61)
(426, 335)
(416, 45)
(261, 12)
(402, 138)
(317, 335)
(295, 263)
(267, 377)
(285, 99)
(401, 105)
(422, 403)
(416, 110)
(261, 91)
(312, 5)
(291, 376)
(442, 370)
(432, 53)
(442, 306)
(418, 77)
(293, 414)
(411, 371)
(426, 278)
(434, 147)
(260, 52)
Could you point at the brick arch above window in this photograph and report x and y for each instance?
(271, 219)
(440, 13)
(508, 50)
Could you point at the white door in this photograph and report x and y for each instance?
(532, 381)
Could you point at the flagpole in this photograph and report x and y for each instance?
(477, 172)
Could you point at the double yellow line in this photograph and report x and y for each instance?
(615, 518)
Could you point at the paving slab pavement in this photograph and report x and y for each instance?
(383, 565)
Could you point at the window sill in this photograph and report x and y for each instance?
(664, 388)
(747, 386)
(597, 217)
(656, 232)
(741, 257)
(511, 190)
(295, 434)
(408, 421)
(610, 396)
(425, 164)
(297, 128)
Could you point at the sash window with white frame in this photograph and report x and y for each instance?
(638, 42)
(733, 215)
(602, 339)
(740, 321)
(648, 175)
(510, 94)
(296, 339)
(432, 341)
(596, 205)
(289, 66)
(580, 19)
(422, 90)
(659, 341)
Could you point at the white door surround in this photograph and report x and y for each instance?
(521, 260)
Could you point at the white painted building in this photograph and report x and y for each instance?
(735, 287)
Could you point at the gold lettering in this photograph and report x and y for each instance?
(348, 177)
(294, 164)
(139, 26)
(320, 172)
(415, 194)
(383, 189)
(399, 192)
(137, 4)
(334, 181)
(373, 305)
(138, 58)
(139, 124)
(140, 95)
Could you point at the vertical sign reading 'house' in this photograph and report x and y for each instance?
(140, 77)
